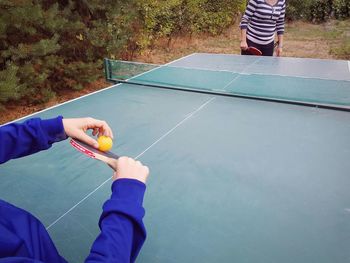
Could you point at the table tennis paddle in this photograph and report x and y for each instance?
(257, 52)
(106, 157)
(254, 51)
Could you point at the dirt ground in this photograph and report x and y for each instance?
(301, 40)
(16, 111)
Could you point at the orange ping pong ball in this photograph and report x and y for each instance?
(104, 143)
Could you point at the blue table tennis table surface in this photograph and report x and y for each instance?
(232, 179)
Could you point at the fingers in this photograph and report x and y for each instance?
(87, 139)
(99, 127)
(126, 167)
(244, 45)
(77, 127)
(131, 169)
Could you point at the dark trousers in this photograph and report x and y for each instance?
(266, 50)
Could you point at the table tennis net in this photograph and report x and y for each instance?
(287, 89)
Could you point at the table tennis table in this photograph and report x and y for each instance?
(249, 159)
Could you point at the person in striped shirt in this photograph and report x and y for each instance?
(259, 23)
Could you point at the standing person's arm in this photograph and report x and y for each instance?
(34, 135)
(122, 230)
(280, 30)
(244, 45)
(280, 45)
(249, 12)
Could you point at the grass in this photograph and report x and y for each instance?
(342, 50)
(327, 40)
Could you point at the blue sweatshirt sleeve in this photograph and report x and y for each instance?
(21, 139)
(23, 238)
(122, 230)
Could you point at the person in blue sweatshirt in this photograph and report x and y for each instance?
(23, 238)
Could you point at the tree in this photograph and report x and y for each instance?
(48, 46)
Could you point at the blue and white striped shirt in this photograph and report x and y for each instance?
(262, 20)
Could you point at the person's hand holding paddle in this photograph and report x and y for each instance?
(128, 168)
(77, 127)
(124, 167)
(244, 45)
(122, 232)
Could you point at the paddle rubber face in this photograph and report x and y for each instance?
(107, 157)
(254, 51)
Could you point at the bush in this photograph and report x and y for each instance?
(173, 17)
(45, 48)
(296, 9)
(341, 9)
(317, 10)
(320, 10)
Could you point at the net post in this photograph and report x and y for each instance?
(107, 70)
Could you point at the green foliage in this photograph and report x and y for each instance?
(213, 17)
(320, 10)
(49, 46)
(166, 19)
(297, 9)
(46, 47)
(173, 17)
(317, 10)
(24, 41)
(341, 9)
(9, 83)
